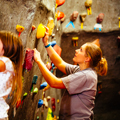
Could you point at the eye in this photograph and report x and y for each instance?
(80, 49)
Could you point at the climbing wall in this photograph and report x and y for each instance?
(75, 22)
(27, 16)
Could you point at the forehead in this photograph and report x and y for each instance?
(83, 46)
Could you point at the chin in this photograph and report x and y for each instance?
(73, 59)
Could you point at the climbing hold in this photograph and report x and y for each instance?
(37, 117)
(55, 118)
(75, 39)
(40, 103)
(41, 31)
(29, 59)
(53, 104)
(59, 2)
(82, 18)
(58, 100)
(57, 49)
(99, 20)
(19, 29)
(60, 15)
(48, 98)
(35, 77)
(45, 103)
(49, 114)
(33, 27)
(18, 103)
(43, 85)
(119, 21)
(74, 16)
(50, 25)
(35, 90)
(25, 94)
(88, 5)
(53, 43)
(63, 19)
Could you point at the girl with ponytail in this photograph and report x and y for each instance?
(80, 83)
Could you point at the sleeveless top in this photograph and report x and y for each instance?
(5, 86)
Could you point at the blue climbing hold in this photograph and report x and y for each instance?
(40, 103)
(43, 85)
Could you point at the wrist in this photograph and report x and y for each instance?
(48, 45)
(45, 44)
(38, 61)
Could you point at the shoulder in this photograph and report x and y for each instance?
(7, 62)
(90, 74)
(70, 69)
(2, 66)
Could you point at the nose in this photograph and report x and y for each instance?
(76, 50)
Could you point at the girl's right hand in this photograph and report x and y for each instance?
(36, 55)
(45, 38)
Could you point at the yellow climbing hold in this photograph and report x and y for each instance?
(41, 31)
(19, 28)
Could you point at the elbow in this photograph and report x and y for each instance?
(54, 83)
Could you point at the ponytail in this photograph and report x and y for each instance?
(102, 67)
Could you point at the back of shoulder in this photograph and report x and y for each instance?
(6, 62)
(2, 66)
(70, 69)
(90, 73)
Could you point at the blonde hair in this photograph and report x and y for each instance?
(13, 49)
(98, 62)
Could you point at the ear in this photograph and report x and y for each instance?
(87, 59)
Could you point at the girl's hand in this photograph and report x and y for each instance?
(36, 55)
(45, 38)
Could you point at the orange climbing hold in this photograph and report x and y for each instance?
(59, 2)
(60, 15)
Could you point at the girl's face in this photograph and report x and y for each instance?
(1, 48)
(80, 56)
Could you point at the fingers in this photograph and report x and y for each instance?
(47, 29)
(36, 55)
(35, 51)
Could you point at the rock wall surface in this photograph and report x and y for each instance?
(27, 13)
(34, 12)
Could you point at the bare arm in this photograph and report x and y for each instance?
(2, 66)
(55, 58)
(52, 80)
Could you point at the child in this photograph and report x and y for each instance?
(11, 56)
